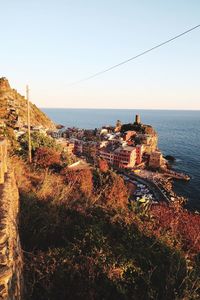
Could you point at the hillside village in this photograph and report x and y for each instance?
(121, 148)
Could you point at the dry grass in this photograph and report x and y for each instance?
(52, 187)
(22, 174)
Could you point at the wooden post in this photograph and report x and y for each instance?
(29, 126)
(5, 156)
(3, 160)
(1, 165)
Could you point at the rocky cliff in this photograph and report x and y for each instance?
(13, 109)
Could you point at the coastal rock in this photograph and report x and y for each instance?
(170, 158)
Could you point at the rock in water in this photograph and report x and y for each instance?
(170, 158)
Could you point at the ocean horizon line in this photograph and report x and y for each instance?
(151, 109)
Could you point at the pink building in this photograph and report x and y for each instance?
(122, 157)
(128, 134)
(139, 154)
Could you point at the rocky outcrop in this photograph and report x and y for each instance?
(11, 264)
(4, 84)
(13, 109)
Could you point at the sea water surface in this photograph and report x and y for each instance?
(179, 135)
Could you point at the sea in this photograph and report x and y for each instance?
(178, 131)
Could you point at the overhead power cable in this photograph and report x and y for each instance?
(136, 56)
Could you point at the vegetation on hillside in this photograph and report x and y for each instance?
(13, 108)
(46, 152)
(82, 240)
(38, 140)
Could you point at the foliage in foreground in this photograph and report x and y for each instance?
(93, 254)
(93, 247)
(47, 153)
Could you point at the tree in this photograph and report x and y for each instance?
(37, 140)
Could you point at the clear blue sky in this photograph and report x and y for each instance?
(51, 43)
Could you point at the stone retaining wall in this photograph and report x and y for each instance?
(10, 250)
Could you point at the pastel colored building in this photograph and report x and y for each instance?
(125, 157)
(67, 145)
(128, 134)
(122, 157)
(139, 153)
(155, 160)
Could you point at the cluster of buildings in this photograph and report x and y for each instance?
(123, 146)
(135, 147)
(119, 147)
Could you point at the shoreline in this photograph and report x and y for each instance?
(161, 187)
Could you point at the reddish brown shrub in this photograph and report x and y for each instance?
(114, 192)
(80, 180)
(182, 225)
(46, 157)
(103, 165)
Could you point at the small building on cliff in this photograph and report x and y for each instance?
(156, 160)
